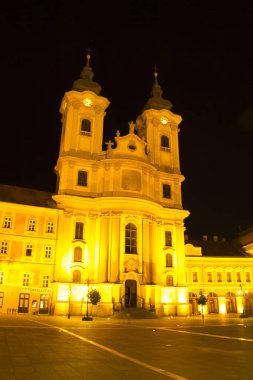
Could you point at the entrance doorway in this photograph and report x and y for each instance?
(23, 305)
(231, 303)
(193, 300)
(212, 303)
(44, 304)
(130, 293)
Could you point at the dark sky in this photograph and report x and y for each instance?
(203, 51)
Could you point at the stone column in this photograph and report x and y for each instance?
(152, 252)
(180, 250)
(145, 253)
(113, 272)
(103, 249)
(92, 268)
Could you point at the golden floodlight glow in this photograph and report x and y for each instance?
(167, 295)
(240, 309)
(222, 307)
(164, 120)
(63, 293)
(87, 102)
(182, 297)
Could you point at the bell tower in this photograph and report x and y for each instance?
(83, 112)
(159, 126)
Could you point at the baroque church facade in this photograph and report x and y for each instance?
(115, 223)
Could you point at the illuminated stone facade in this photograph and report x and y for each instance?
(115, 224)
(223, 271)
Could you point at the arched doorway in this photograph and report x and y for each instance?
(248, 303)
(212, 303)
(231, 303)
(193, 301)
(130, 293)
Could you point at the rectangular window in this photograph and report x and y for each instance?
(26, 279)
(229, 277)
(195, 276)
(4, 248)
(1, 278)
(28, 250)
(168, 239)
(32, 225)
(82, 178)
(79, 231)
(7, 222)
(48, 251)
(1, 299)
(166, 191)
(130, 238)
(219, 277)
(45, 281)
(247, 275)
(50, 227)
(238, 277)
(209, 277)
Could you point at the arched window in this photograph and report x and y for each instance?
(231, 303)
(168, 260)
(78, 254)
(165, 143)
(130, 238)
(86, 127)
(82, 178)
(76, 276)
(169, 280)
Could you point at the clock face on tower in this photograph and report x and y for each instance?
(164, 120)
(87, 102)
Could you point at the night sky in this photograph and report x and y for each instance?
(203, 51)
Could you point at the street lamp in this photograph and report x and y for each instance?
(244, 294)
(87, 317)
(87, 301)
(70, 291)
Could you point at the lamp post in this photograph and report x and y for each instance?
(244, 294)
(70, 291)
(87, 302)
(87, 317)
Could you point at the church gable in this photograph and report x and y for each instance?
(128, 146)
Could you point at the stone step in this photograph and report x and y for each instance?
(134, 313)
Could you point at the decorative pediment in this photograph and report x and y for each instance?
(128, 146)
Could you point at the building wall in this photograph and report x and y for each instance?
(107, 266)
(226, 281)
(28, 249)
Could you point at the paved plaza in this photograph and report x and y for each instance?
(34, 347)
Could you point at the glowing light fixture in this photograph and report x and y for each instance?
(164, 120)
(87, 102)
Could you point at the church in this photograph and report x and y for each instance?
(115, 223)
